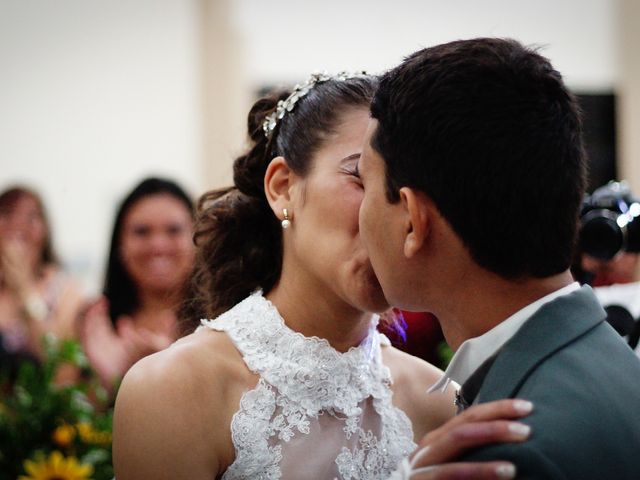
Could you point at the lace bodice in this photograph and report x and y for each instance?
(315, 412)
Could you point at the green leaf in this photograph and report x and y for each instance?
(96, 455)
(445, 354)
(33, 407)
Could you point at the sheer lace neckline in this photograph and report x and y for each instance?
(304, 367)
(272, 314)
(310, 397)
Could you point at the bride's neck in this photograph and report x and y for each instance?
(320, 313)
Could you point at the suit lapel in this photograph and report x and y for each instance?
(553, 326)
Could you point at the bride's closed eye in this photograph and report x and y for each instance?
(353, 175)
(351, 170)
(349, 166)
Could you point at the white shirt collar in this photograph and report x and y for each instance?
(474, 351)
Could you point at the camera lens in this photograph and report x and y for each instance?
(600, 236)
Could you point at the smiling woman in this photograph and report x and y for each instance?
(150, 260)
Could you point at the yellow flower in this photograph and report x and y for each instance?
(56, 467)
(91, 436)
(85, 430)
(64, 435)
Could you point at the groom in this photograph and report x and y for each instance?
(474, 172)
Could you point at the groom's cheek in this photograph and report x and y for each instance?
(363, 221)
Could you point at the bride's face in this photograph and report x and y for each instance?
(324, 237)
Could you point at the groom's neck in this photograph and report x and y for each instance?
(483, 300)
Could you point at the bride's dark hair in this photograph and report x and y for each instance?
(238, 238)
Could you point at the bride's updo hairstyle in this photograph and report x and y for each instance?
(238, 237)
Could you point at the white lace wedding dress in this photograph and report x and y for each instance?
(315, 413)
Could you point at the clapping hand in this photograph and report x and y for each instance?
(108, 354)
(112, 351)
(15, 267)
(141, 341)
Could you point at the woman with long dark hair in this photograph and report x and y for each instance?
(291, 379)
(150, 259)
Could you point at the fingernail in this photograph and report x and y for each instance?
(520, 429)
(506, 471)
(523, 406)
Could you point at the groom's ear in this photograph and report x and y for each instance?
(416, 208)
(277, 185)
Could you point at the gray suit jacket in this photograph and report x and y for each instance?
(584, 382)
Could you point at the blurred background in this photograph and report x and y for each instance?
(95, 95)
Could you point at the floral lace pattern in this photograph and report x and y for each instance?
(311, 403)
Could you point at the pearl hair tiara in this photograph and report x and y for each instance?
(299, 91)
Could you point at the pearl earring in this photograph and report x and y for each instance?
(286, 223)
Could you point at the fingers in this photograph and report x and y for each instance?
(508, 408)
(499, 409)
(15, 265)
(129, 335)
(483, 424)
(464, 437)
(467, 471)
(15, 254)
(95, 321)
(150, 342)
(99, 308)
(125, 324)
(138, 341)
(157, 340)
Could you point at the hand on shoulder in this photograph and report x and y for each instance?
(440, 454)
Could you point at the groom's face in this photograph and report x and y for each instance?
(380, 221)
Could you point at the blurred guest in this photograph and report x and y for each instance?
(151, 256)
(36, 296)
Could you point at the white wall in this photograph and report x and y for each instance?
(94, 95)
(287, 39)
(629, 92)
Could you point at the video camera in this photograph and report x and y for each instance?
(610, 222)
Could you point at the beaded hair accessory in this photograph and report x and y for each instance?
(299, 91)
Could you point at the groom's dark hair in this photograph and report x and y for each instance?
(487, 129)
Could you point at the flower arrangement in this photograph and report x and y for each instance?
(49, 431)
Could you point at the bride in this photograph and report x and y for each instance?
(291, 379)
